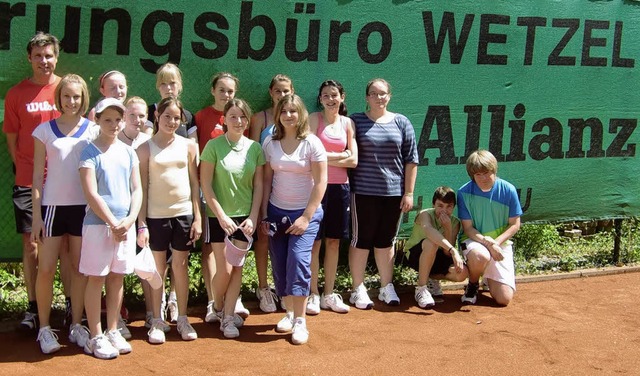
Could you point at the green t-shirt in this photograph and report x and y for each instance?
(417, 233)
(233, 174)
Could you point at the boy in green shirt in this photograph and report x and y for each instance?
(432, 250)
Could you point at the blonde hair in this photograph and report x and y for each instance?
(302, 128)
(169, 72)
(481, 161)
(136, 100)
(68, 79)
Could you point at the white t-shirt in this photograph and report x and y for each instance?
(62, 183)
(292, 178)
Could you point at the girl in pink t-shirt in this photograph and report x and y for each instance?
(336, 131)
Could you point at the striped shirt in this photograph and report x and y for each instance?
(383, 151)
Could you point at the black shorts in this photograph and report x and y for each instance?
(64, 219)
(23, 209)
(170, 232)
(375, 220)
(217, 234)
(441, 264)
(336, 206)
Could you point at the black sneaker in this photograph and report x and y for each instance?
(470, 294)
(30, 321)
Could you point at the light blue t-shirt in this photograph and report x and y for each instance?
(266, 132)
(489, 211)
(113, 170)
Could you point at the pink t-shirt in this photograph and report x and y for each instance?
(335, 144)
(292, 178)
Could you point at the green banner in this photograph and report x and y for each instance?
(550, 87)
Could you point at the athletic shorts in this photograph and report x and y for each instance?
(500, 271)
(60, 220)
(23, 209)
(441, 264)
(170, 232)
(217, 234)
(375, 220)
(101, 254)
(336, 206)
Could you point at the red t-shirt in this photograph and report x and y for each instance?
(209, 123)
(26, 106)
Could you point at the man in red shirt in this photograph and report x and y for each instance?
(28, 104)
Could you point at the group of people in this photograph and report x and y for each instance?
(90, 190)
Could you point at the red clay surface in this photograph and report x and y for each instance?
(579, 326)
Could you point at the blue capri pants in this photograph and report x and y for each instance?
(291, 254)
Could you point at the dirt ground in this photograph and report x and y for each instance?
(583, 326)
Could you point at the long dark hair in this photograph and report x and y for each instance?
(333, 83)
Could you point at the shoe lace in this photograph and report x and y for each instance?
(471, 290)
(47, 335)
(268, 295)
(391, 293)
(184, 325)
(336, 299)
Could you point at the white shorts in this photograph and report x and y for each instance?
(101, 254)
(500, 271)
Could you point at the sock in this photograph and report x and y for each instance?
(33, 306)
(172, 296)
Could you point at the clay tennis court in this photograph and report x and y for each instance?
(580, 326)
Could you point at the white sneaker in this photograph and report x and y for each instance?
(228, 328)
(219, 315)
(79, 334)
(267, 299)
(186, 330)
(286, 323)
(118, 341)
(388, 295)
(435, 289)
(333, 302)
(299, 333)
(156, 334)
(172, 308)
(124, 331)
(240, 310)
(101, 348)
(211, 313)
(423, 297)
(48, 340)
(360, 298)
(313, 304)
(163, 325)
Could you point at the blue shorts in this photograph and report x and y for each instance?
(336, 207)
(291, 254)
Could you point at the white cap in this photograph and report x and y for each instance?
(109, 102)
(145, 268)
